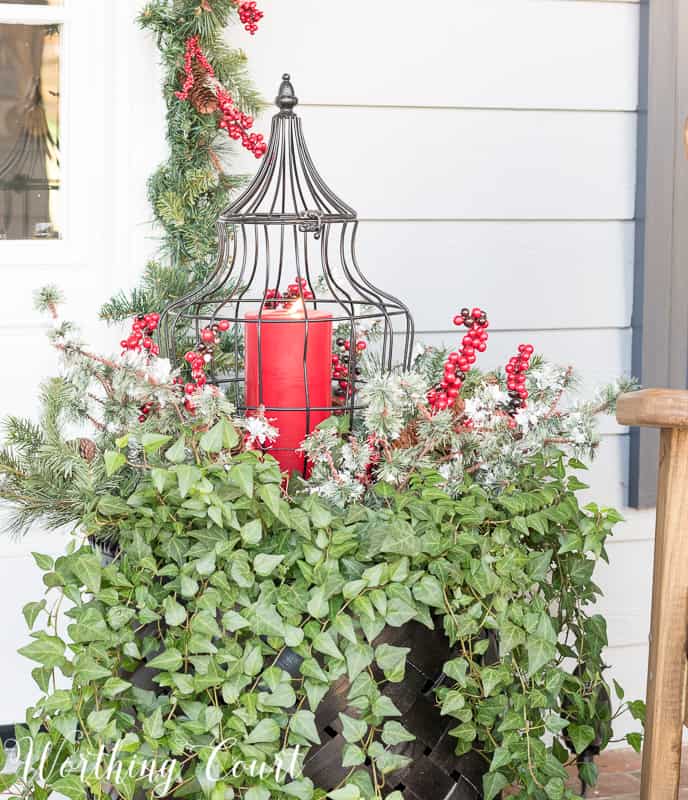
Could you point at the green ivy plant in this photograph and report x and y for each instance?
(172, 653)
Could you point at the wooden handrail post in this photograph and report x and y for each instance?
(667, 670)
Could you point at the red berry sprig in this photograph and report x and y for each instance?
(340, 367)
(199, 359)
(298, 289)
(140, 339)
(459, 363)
(193, 52)
(236, 123)
(141, 336)
(232, 120)
(516, 371)
(271, 298)
(250, 16)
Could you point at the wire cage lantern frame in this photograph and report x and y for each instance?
(289, 227)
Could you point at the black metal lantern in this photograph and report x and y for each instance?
(289, 228)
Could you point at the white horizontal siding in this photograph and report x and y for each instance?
(515, 270)
(410, 164)
(481, 53)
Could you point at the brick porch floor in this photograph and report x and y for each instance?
(620, 776)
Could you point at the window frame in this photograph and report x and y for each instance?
(70, 248)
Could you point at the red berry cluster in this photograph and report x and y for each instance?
(516, 371)
(250, 16)
(232, 120)
(236, 123)
(340, 366)
(193, 51)
(273, 297)
(199, 358)
(141, 336)
(298, 289)
(458, 363)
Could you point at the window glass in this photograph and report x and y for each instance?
(29, 131)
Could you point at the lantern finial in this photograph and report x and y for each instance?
(286, 99)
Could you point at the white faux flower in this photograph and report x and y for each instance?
(497, 396)
(260, 429)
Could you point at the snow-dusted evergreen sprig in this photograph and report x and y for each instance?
(480, 438)
(48, 299)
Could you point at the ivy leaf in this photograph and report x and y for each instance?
(348, 792)
(318, 605)
(242, 475)
(493, 783)
(252, 532)
(555, 724)
(510, 636)
(43, 562)
(358, 658)
(114, 686)
(97, 721)
(206, 565)
(267, 622)
(70, 786)
(153, 725)
(635, 740)
(175, 614)
(169, 660)
(212, 440)
(265, 564)
(234, 621)
(187, 477)
(303, 724)
(88, 569)
(46, 650)
(384, 707)
(302, 789)
(114, 461)
(353, 730)
(394, 732)
(159, 478)
(152, 442)
(428, 590)
(66, 725)
(352, 756)
(267, 730)
(177, 453)
(554, 788)
(270, 495)
(320, 516)
(324, 643)
(257, 793)
(392, 661)
(31, 612)
(540, 652)
(581, 736)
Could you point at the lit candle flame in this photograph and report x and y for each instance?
(297, 308)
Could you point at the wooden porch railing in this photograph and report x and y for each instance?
(667, 685)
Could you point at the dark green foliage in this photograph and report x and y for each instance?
(190, 189)
(219, 573)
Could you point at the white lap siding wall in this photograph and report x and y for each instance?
(489, 148)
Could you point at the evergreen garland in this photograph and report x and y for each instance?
(190, 189)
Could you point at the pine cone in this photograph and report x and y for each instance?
(87, 449)
(459, 407)
(407, 438)
(202, 95)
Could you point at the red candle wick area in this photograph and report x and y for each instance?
(288, 362)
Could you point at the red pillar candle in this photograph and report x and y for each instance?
(284, 335)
